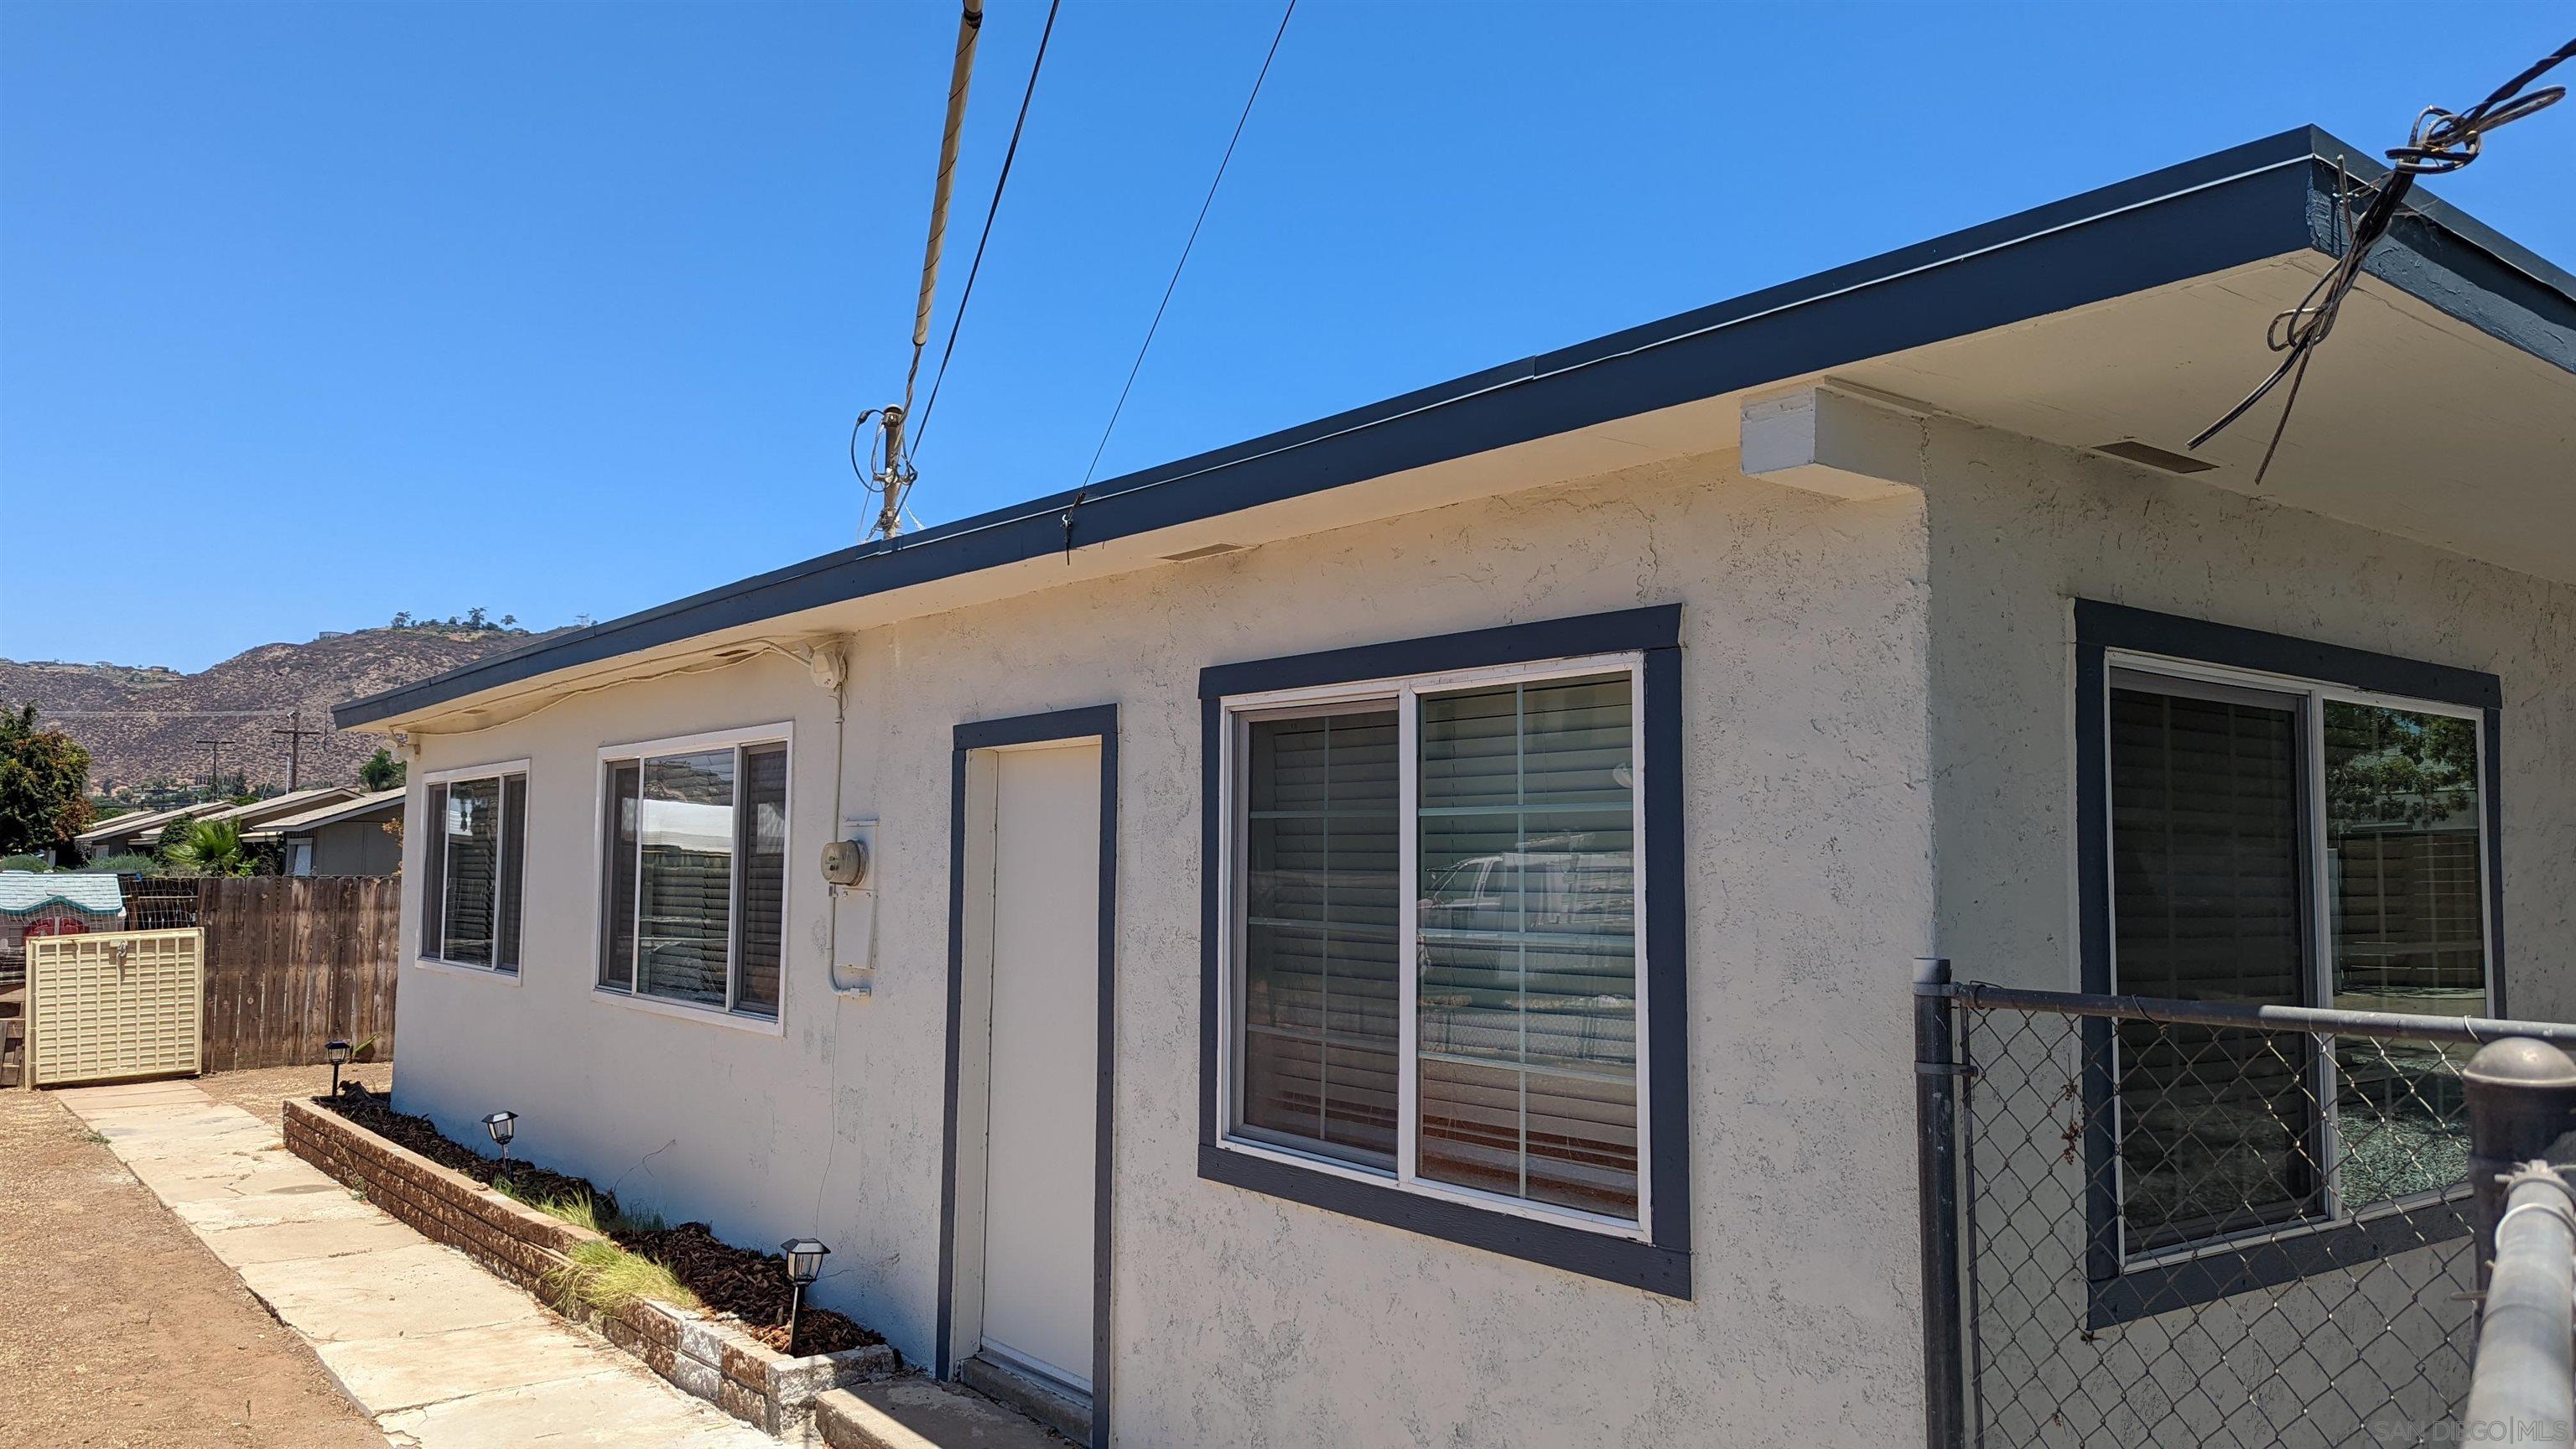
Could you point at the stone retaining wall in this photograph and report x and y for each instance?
(704, 1355)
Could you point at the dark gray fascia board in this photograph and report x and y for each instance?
(2449, 260)
(2264, 199)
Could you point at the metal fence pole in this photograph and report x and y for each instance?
(2522, 1389)
(1936, 1109)
(2521, 1101)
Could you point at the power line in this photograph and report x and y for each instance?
(1175, 282)
(921, 430)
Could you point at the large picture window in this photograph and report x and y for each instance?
(1482, 828)
(1445, 947)
(694, 880)
(2280, 841)
(473, 865)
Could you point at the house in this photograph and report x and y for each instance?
(1659, 697)
(356, 836)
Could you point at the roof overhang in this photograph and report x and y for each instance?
(2219, 243)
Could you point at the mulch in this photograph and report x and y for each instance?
(738, 1283)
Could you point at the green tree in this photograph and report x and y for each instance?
(381, 771)
(44, 785)
(209, 847)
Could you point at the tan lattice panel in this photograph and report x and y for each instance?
(115, 1005)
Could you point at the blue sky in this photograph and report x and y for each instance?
(313, 313)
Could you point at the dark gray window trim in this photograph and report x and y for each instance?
(2114, 1297)
(1662, 1264)
(1100, 722)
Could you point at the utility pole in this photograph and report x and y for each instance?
(295, 733)
(214, 766)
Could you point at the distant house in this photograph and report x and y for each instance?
(137, 832)
(345, 837)
(132, 832)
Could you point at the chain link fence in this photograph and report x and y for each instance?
(2181, 1233)
(2198, 1223)
(160, 903)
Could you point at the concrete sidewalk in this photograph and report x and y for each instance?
(444, 1355)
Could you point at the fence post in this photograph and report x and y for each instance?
(1936, 1111)
(2521, 1100)
(2522, 1386)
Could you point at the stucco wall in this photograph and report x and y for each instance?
(2019, 530)
(355, 847)
(1241, 1319)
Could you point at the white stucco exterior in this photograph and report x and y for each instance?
(1240, 1318)
(2019, 531)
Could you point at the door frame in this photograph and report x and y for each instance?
(1066, 726)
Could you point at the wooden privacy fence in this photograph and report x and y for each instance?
(293, 961)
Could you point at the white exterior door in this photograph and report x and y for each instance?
(1041, 1137)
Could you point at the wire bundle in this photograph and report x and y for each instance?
(2440, 142)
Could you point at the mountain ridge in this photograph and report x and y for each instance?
(145, 725)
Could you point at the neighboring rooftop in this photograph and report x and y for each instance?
(118, 827)
(382, 802)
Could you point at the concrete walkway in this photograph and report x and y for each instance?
(443, 1354)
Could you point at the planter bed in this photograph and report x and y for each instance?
(727, 1354)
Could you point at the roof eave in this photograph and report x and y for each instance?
(2265, 199)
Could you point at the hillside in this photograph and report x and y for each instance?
(143, 725)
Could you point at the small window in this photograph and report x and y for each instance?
(471, 889)
(2286, 843)
(1483, 828)
(693, 894)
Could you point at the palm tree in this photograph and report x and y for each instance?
(210, 847)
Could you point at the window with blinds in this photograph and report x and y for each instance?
(1485, 831)
(693, 896)
(471, 886)
(2288, 846)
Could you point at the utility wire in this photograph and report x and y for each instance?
(921, 429)
(2440, 142)
(1175, 282)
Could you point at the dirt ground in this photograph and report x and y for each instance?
(121, 1331)
(259, 1092)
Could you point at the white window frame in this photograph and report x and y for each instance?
(2315, 695)
(1404, 692)
(435, 838)
(781, 733)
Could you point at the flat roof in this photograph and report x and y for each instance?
(132, 821)
(330, 814)
(2264, 199)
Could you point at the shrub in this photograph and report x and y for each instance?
(605, 1278)
(210, 847)
(124, 864)
(25, 862)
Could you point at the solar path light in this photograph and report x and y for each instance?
(804, 1265)
(503, 1126)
